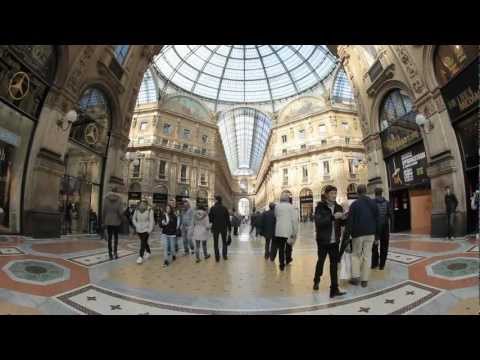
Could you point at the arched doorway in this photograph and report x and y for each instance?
(27, 74)
(406, 163)
(202, 198)
(456, 70)
(306, 205)
(289, 194)
(244, 207)
(80, 191)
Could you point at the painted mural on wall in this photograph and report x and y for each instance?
(300, 107)
(187, 106)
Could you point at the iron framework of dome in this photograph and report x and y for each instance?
(245, 73)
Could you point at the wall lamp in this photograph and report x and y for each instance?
(68, 120)
(424, 123)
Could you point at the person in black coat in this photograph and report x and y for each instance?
(220, 220)
(268, 228)
(329, 219)
(382, 236)
(451, 204)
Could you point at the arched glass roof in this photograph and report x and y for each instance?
(245, 73)
(342, 90)
(244, 132)
(148, 90)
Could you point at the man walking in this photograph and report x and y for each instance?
(286, 228)
(362, 222)
(253, 219)
(220, 220)
(235, 222)
(383, 231)
(187, 227)
(112, 218)
(451, 204)
(329, 219)
(268, 228)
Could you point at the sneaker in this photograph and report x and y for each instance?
(364, 283)
(139, 260)
(146, 256)
(207, 257)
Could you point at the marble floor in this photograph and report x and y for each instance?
(73, 275)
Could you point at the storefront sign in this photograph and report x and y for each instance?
(462, 95)
(159, 198)
(306, 199)
(9, 137)
(408, 168)
(399, 136)
(134, 196)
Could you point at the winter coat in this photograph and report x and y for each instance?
(451, 203)
(220, 218)
(170, 227)
(324, 220)
(363, 217)
(201, 226)
(112, 213)
(268, 224)
(286, 225)
(143, 221)
(187, 218)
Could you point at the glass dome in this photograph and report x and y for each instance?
(245, 73)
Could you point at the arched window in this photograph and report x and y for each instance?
(395, 106)
(342, 91)
(451, 59)
(95, 119)
(121, 52)
(243, 206)
(148, 90)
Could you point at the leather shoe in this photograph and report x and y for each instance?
(355, 282)
(225, 258)
(282, 267)
(316, 286)
(336, 292)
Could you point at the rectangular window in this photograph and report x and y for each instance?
(351, 166)
(326, 168)
(162, 169)
(204, 151)
(185, 147)
(141, 140)
(136, 169)
(303, 146)
(203, 179)
(167, 129)
(183, 174)
(284, 139)
(186, 134)
(345, 125)
(285, 176)
(301, 134)
(324, 142)
(347, 140)
(322, 129)
(165, 142)
(284, 152)
(204, 139)
(305, 173)
(143, 126)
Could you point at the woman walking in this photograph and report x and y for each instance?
(144, 222)
(201, 233)
(169, 227)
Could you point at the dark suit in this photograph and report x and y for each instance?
(220, 220)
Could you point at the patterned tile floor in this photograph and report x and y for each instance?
(422, 276)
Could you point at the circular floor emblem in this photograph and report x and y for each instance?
(19, 85)
(456, 268)
(36, 272)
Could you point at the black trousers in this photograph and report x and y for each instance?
(384, 238)
(332, 251)
(235, 230)
(112, 231)
(284, 250)
(144, 243)
(450, 224)
(224, 244)
(268, 242)
(288, 253)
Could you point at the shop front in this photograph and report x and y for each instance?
(160, 200)
(406, 162)
(202, 198)
(26, 74)
(306, 205)
(461, 95)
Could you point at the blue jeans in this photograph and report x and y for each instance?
(168, 247)
(187, 239)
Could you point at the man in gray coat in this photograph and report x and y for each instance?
(286, 228)
(187, 227)
(112, 215)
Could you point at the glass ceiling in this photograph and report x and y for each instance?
(244, 132)
(245, 73)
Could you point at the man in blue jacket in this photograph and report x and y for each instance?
(362, 222)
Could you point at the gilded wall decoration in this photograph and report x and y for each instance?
(416, 82)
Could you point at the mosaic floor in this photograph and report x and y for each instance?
(73, 275)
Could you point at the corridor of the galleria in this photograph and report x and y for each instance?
(151, 133)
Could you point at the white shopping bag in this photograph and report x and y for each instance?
(346, 266)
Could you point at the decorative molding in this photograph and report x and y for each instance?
(386, 74)
(75, 77)
(110, 77)
(415, 80)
